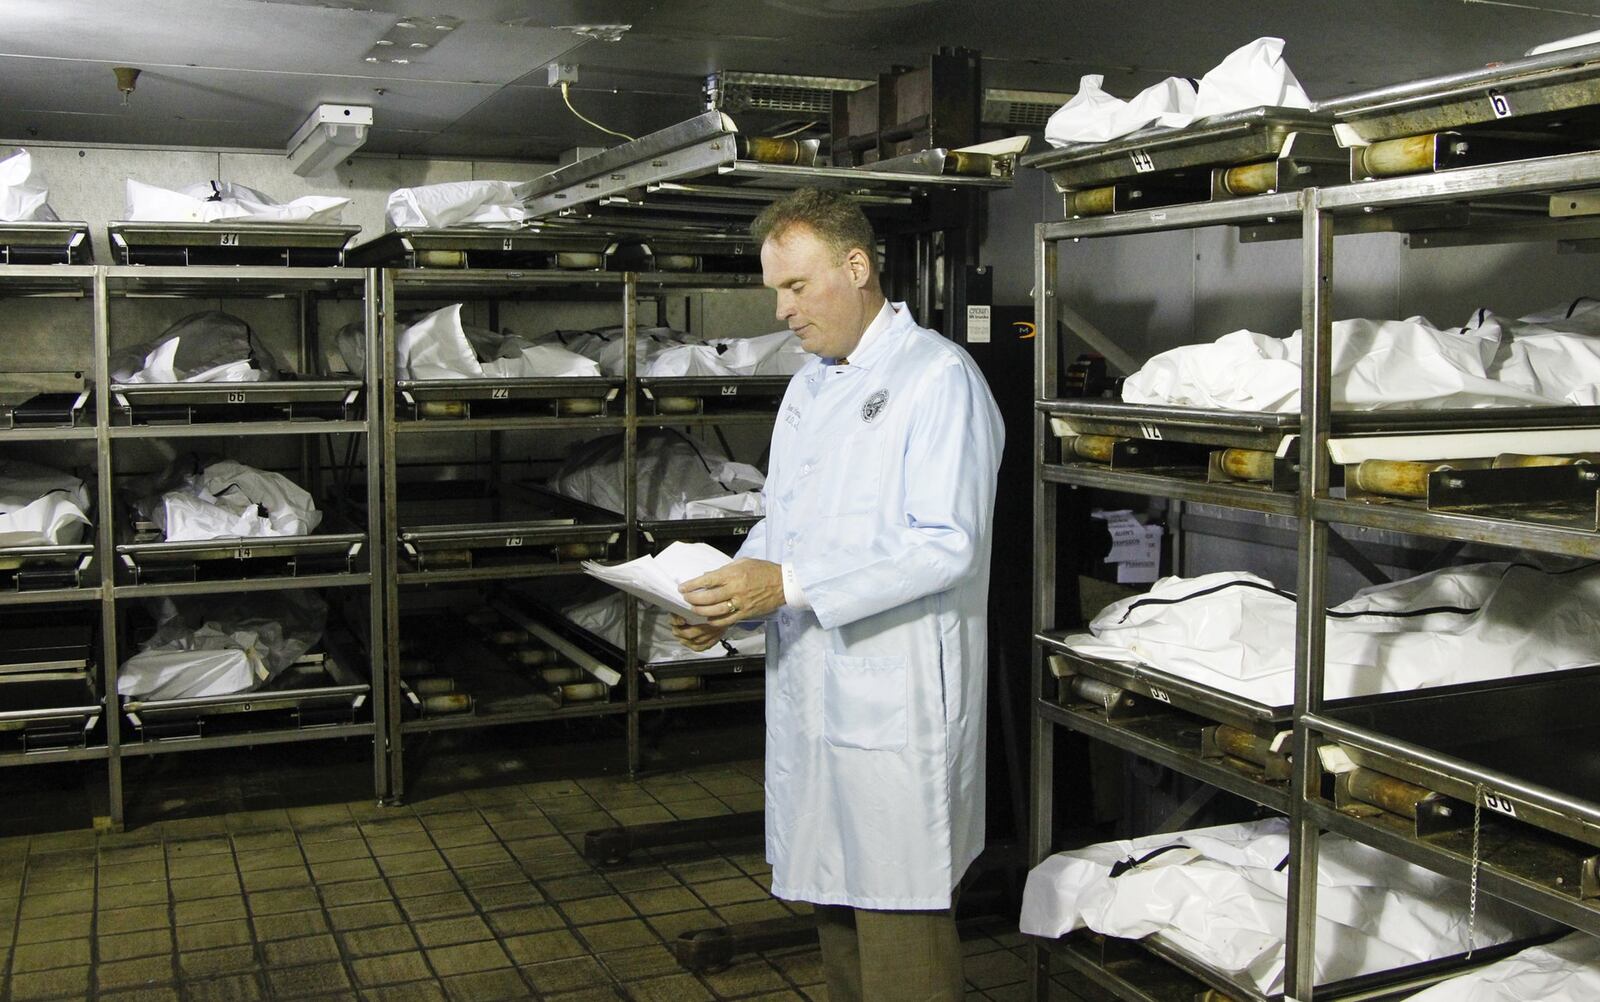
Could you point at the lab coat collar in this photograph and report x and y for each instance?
(873, 342)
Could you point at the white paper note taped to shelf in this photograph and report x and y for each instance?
(1135, 547)
(655, 579)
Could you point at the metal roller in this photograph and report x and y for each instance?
(562, 675)
(1512, 460)
(450, 702)
(1097, 448)
(441, 259)
(682, 683)
(580, 406)
(580, 551)
(1242, 744)
(1092, 690)
(1247, 464)
(1396, 478)
(432, 685)
(584, 692)
(1091, 202)
(677, 262)
(1393, 795)
(506, 638)
(579, 261)
(1251, 179)
(415, 666)
(788, 152)
(1394, 157)
(677, 405)
(534, 656)
(963, 164)
(449, 558)
(442, 408)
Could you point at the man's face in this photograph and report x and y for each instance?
(822, 296)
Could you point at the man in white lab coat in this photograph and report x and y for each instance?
(872, 569)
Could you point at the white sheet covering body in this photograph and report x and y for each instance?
(214, 201)
(205, 347)
(1252, 76)
(673, 473)
(1550, 358)
(1221, 897)
(441, 346)
(454, 203)
(1234, 632)
(228, 498)
(40, 506)
(604, 618)
(1567, 970)
(777, 354)
(23, 195)
(223, 645)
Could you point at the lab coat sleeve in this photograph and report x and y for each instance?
(931, 536)
(754, 546)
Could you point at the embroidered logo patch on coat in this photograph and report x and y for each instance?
(874, 405)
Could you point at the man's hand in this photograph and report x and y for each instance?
(696, 636)
(743, 589)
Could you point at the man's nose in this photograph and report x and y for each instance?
(785, 306)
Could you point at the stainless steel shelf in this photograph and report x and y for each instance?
(1168, 741)
(44, 756)
(238, 429)
(1402, 516)
(1179, 487)
(48, 434)
(469, 721)
(134, 748)
(409, 428)
(355, 580)
(50, 596)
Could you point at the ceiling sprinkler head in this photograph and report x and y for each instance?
(127, 76)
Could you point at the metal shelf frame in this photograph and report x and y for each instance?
(302, 288)
(1318, 213)
(625, 414)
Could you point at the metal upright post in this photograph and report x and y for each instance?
(630, 497)
(105, 540)
(383, 640)
(1045, 361)
(1316, 417)
(382, 518)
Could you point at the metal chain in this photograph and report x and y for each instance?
(1472, 892)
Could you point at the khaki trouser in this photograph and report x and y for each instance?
(873, 956)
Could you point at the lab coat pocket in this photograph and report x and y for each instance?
(864, 702)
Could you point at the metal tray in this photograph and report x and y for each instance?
(669, 395)
(1239, 137)
(49, 410)
(479, 247)
(241, 557)
(301, 400)
(449, 529)
(319, 688)
(45, 243)
(31, 568)
(464, 399)
(229, 242)
(1163, 687)
(653, 174)
(1521, 94)
(659, 532)
(1527, 748)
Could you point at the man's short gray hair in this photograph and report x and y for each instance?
(836, 220)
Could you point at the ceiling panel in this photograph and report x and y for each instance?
(247, 72)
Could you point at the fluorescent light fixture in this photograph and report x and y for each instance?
(333, 132)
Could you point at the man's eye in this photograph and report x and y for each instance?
(797, 288)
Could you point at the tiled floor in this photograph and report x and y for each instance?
(476, 895)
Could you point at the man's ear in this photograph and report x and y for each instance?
(860, 267)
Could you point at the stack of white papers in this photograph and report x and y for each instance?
(655, 579)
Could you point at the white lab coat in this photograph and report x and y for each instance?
(880, 494)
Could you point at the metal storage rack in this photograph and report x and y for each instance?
(52, 704)
(1493, 809)
(63, 681)
(555, 532)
